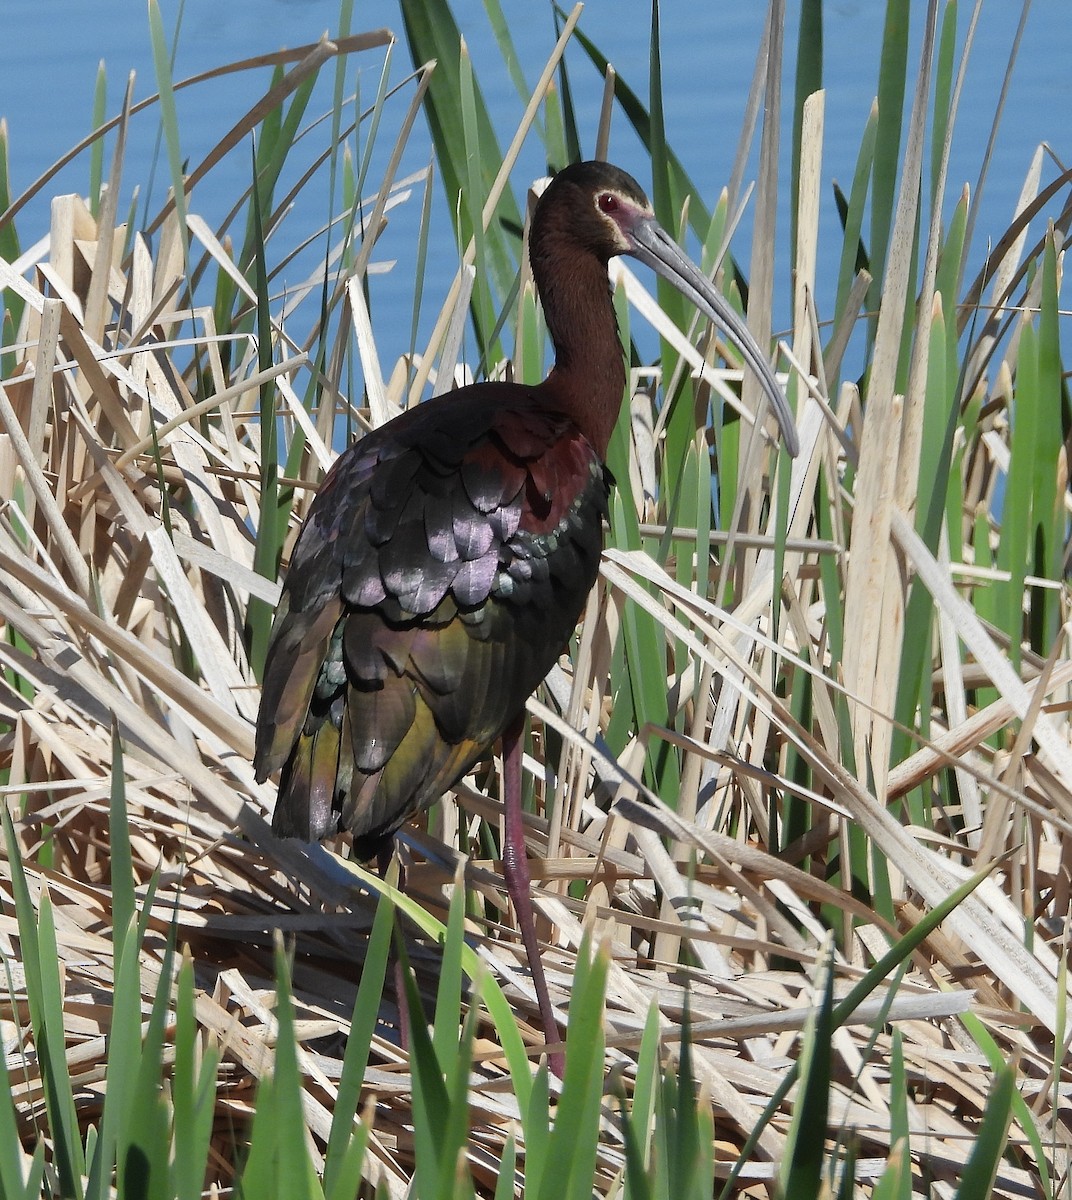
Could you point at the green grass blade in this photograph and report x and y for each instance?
(528, 352)
(1019, 494)
(12, 304)
(635, 1185)
(124, 1051)
(504, 1185)
(914, 679)
(853, 256)
(338, 95)
(278, 1164)
(122, 863)
(491, 994)
(897, 1174)
(145, 1141)
(193, 1092)
(802, 1166)
(143, 1156)
(680, 427)
(980, 1171)
(640, 119)
(11, 1181)
(472, 197)
(432, 1117)
(29, 942)
(44, 994)
(943, 88)
(809, 79)
(257, 1176)
(947, 280)
(362, 1027)
(690, 1170)
(642, 698)
(562, 134)
(96, 151)
(846, 1189)
(559, 125)
(500, 29)
(51, 1045)
(449, 993)
(898, 953)
(272, 527)
(455, 1175)
(422, 258)
(170, 121)
(536, 1116)
(9, 239)
(893, 72)
(295, 1173)
(347, 1178)
(432, 33)
(1048, 550)
(1025, 1118)
(662, 190)
(899, 1131)
(572, 1144)
(642, 1113)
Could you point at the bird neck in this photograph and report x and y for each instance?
(588, 378)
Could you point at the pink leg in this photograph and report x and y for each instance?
(518, 880)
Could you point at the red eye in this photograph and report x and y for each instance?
(607, 202)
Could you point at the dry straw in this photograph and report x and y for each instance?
(130, 469)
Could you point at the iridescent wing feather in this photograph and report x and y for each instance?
(439, 574)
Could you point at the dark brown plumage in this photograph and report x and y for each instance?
(439, 573)
(448, 555)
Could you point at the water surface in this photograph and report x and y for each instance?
(708, 58)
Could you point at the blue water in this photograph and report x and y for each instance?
(708, 58)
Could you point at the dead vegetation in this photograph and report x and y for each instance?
(131, 472)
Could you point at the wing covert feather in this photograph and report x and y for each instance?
(439, 574)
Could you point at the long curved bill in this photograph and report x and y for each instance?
(654, 247)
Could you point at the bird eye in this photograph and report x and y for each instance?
(607, 202)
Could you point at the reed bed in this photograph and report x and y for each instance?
(799, 793)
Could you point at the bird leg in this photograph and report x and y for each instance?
(518, 880)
